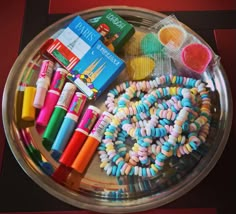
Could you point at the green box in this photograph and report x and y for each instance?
(114, 29)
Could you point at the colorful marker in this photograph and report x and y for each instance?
(25, 95)
(92, 142)
(28, 110)
(76, 142)
(58, 115)
(43, 83)
(68, 125)
(52, 96)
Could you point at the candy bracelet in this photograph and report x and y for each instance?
(167, 116)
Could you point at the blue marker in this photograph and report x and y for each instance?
(68, 125)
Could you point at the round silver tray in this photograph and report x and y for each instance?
(95, 190)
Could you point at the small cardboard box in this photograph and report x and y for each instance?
(96, 70)
(73, 43)
(114, 29)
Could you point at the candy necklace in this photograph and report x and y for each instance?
(167, 116)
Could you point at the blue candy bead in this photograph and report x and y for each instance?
(164, 91)
(162, 122)
(120, 138)
(158, 93)
(122, 153)
(127, 121)
(108, 137)
(168, 80)
(145, 144)
(113, 92)
(158, 167)
(153, 132)
(158, 133)
(168, 122)
(144, 172)
(193, 145)
(161, 157)
(102, 148)
(185, 126)
(114, 168)
(126, 96)
(131, 171)
(180, 91)
(163, 132)
(153, 173)
(145, 161)
(146, 106)
(118, 146)
(181, 80)
(121, 102)
(173, 109)
(167, 149)
(167, 144)
(114, 159)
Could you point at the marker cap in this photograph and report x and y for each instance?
(66, 95)
(28, 110)
(40, 97)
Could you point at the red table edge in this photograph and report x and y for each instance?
(72, 6)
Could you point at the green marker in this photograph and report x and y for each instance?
(58, 115)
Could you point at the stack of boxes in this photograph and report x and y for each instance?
(88, 53)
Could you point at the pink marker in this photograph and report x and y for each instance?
(52, 96)
(43, 83)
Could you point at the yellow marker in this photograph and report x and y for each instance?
(28, 110)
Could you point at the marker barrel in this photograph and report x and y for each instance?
(28, 110)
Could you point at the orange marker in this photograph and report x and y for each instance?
(86, 153)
